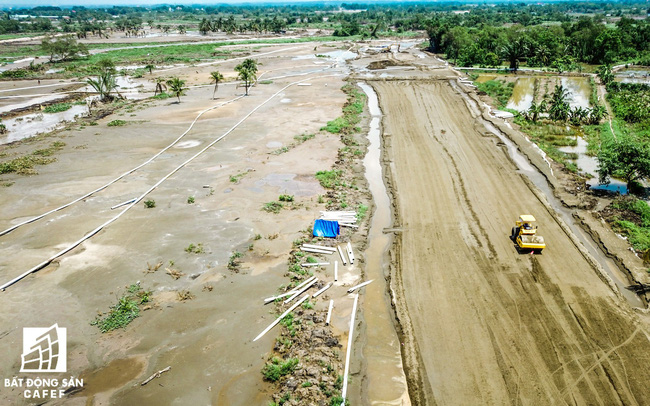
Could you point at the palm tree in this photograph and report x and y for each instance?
(247, 72)
(160, 86)
(150, 67)
(513, 51)
(559, 108)
(104, 84)
(176, 86)
(217, 77)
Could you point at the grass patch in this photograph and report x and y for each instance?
(57, 108)
(124, 311)
(362, 209)
(238, 177)
(195, 249)
(276, 369)
(329, 179)
(285, 198)
(24, 165)
(352, 109)
(497, 89)
(272, 207)
(160, 96)
(116, 123)
(631, 218)
(235, 260)
(149, 204)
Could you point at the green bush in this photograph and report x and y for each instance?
(285, 198)
(276, 369)
(328, 179)
(116, 123)
(273, 207)
(149, 204)
(57, 108)
(125, 311)
(195, 249)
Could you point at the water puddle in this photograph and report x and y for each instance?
(33, 124)
(112, 377)
(290, 183)
(386, 381)
(578, 91)
(633, 75)
(522, 94)
(589, 165)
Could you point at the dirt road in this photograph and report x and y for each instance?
(483, 324)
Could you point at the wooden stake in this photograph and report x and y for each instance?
(156, 375)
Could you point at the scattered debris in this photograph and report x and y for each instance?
(352, 289)
(266, 330)
(184, 295)
(174, 273)
(153, 268)
(156, 375)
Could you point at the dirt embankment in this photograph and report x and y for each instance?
(490, 325)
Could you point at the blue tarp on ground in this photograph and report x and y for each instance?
(326, 228)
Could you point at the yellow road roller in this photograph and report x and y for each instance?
(524, 234)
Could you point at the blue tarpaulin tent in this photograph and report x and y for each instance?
(326, 228)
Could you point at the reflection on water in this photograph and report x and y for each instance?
(589, 165)
(578, 91)
(633, 75)
(522, 94)
(30, 125)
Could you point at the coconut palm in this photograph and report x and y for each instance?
(105, 84)
(247, 72)
(217, 77)
(150, 67)
(513, 51)
(176, 86)
(160, 86)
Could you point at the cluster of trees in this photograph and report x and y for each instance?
(230, 25)
(557, 109)
(558, 46)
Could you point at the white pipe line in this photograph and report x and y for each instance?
(336, 271)
(359, 286)
(155, 156)
(315, 264)
(348, 225)
(350, 253)
(319, 247)
(10, 229)
(295, 295)
(314, 250)
(291, 292)
(266, 330)
(122, 204)
(138, 199)
(271, 299)
(344, 391)
(341, 254)
(329, 312)
(329, 285)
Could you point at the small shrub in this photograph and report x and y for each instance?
(273, 207)
(234, 260)
(276, 369)
(124, 311)
(285, 198)
(149, 204)
(195, 249)
(362, 209)
(257, 237)
(57, 108)
(116, 123)
(328, 179)
(190, 200)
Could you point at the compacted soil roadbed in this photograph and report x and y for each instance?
(483, 324)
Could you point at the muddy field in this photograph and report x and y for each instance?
(455, 315)
(206, 340)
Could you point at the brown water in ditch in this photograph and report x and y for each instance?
(384, 373)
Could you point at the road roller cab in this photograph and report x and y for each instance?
(524, 234)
